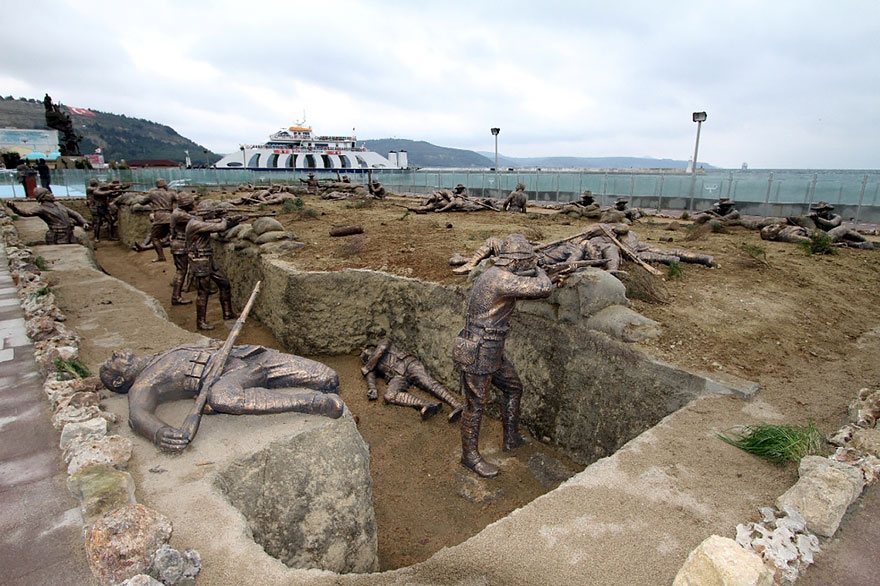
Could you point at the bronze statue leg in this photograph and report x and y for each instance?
(419, 376)
(202, 303)
(259, 401)
(180, 265)
(157, 232)
(511, 387)
(476, 392)
(395, 393)
(225, 288)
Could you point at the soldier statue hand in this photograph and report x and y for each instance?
(171, 439)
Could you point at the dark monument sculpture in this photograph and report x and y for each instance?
(479, 348)
(238, 380)
(60, 120)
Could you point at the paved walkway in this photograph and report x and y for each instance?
(41, 540)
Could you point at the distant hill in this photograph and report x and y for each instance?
(424, 154)
(591, 162)
(119, 136)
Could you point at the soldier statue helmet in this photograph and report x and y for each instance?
(42, 194)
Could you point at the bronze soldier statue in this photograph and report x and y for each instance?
(60, 219)
(103, 207)
(180, 217)
(376, 190)
(832, 224)
(159, 199)
(780, 232)
(400, 370)
(255, 381)
(90, 190)
(724, 211)
(479, 348)
(311, 183)
(205, 221)
(517, 199)
(585, 208)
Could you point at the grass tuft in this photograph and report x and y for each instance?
(642, 285)
(73, 368)
(292, 205)
(777, 443)
(674, 271)
(41, 263)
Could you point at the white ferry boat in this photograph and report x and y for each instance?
(294, 148)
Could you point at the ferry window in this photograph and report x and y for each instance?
(345, 161)
(328, 164)
(273, 160)
(233, 164)
(289, 162)
(361, 161)
(254, 162)
(310, 162)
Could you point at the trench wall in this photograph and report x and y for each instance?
(584, 391)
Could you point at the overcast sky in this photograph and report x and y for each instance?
(786, 83)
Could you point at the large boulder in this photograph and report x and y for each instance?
(308, 499)
(720, 561)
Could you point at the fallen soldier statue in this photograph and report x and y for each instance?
(255, 381)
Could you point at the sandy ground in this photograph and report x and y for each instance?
(803, 327)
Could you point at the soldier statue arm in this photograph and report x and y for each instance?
(21, 212)
(76, 217)
(372, 390)
(833, 221)
(375, 356)
(143, 399)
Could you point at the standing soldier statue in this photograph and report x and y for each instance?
(159, 200)
(201, 259)
(479, 348)
(181, 215)
(517, 199)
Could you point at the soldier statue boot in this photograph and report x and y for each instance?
(426, 409)
(470, 455)
(510, 406)
(177, 286)
(201, 311)
(226, 304)
(441, 393)
(658, 257)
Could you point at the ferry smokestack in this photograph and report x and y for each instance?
(402, 160)
(392, 157)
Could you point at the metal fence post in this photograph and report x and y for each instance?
(861, 197)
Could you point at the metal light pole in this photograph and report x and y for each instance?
(495, 132)
(699, 118)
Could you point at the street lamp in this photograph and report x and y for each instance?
(495, 132)
(699, 118)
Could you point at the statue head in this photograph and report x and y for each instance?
(772, 231)
(41, 194)
(520, 187)
(366, 353)
(587, 197)
(516, 253)
(161, 183)
(620, 203)
(185, 200)
(821, 208)
(119, 371)
(459, 188)
(208, 209)
(620, 229)
(93, 182)
(114, 181)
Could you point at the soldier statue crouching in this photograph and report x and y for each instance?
(251, 383)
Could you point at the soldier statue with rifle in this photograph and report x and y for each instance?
(103, 207)
(207, 220)
(238, 380)
(180, 217)
(160, 202)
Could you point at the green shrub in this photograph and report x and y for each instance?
(777, 443)
(674, 270)
(819, 243)
(41, 263)
(292, 205)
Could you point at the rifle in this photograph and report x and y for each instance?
(560, 241)
(629, 253)
(478, 202)
(558, 271)
(215, 369)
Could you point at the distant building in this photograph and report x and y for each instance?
(152, 163)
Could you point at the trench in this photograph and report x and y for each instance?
(587, 393)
